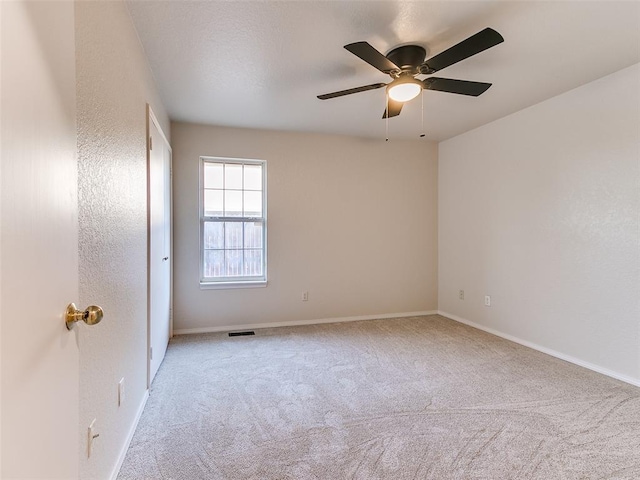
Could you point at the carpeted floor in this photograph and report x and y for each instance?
(407, 398)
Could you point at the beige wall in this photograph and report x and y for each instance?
(540, 210)
(352, 221)
(114, 84)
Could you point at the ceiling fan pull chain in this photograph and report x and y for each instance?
(422, 100)
(386, 120)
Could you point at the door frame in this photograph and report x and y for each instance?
(151, 117)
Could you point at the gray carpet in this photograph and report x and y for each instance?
(408, 398)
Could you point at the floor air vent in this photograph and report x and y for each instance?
(241, 334)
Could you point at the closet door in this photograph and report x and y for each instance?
(159, 173)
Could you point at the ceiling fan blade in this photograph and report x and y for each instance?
(394, 109)
(341, 93)
(477, 43)
(372, 56)
(462, 87)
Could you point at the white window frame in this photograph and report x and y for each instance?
(233, 282)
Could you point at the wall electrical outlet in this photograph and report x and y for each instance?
(461, 294)
(305, 296)
(487, 300)
(121, 392)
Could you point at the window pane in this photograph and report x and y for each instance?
(233, 176)
(213, 263)
(253, 262)
(252, 204)
(232, 203)
(253, 177)
(253, 235)
(233, 250)
(213, 235)
(213, 203)
(234, 263)
(213, 175)
(233, 234)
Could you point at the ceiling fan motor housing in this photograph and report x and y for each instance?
(408, 58)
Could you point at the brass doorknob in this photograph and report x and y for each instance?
(92, 315)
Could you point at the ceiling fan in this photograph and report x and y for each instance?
(403, 64)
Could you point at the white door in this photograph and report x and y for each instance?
(159, 245)
(39, 241)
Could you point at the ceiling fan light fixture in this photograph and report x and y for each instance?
(403, 90)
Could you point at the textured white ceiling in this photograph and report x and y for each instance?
(260, 64)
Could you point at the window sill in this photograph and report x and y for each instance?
(228, 285)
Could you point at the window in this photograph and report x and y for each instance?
(232, 222)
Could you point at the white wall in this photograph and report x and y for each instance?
(540, 210)
(352, 221)
(114, 84)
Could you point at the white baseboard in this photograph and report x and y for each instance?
(548, 351)
(132, 430)
(252, 326)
